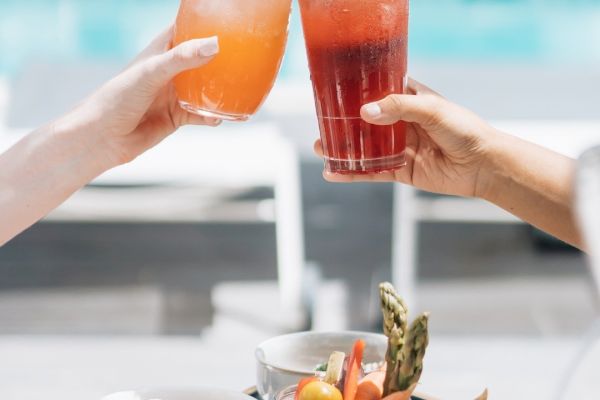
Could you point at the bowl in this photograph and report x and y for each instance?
(284, 360)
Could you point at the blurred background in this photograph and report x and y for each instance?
(166, 255)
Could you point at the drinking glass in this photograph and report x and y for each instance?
(252, 37)
(582, 376)
(357, 52)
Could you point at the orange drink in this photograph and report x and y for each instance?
(252, 37)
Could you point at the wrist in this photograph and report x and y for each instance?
(85, 142)
(493, 165)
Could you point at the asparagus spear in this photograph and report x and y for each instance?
(394, 310)
(406, 347)
(413, 352)
(394, 327)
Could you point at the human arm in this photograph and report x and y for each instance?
(452, 151)
(534, 184)
(130, 114)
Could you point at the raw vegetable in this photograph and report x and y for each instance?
(405, 395)
(354, 370)
(320, 391)
(371, 386)
(413, 352)
(304, 382)
(321, 367)
(335, 367)
(394, 327)
(406, 347)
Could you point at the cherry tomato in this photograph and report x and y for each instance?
(320, 391)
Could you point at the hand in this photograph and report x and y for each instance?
(452, 151)
(138, 109)
(447, 145)
(130, 114)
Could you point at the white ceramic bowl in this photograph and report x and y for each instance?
(284, 360)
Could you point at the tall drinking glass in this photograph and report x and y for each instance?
(252, 37)
(582, 376)
(357, 52)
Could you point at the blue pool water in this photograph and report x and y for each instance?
(527, 31)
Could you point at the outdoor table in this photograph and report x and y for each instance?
(79, 368)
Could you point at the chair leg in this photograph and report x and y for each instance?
(404, 244)
(290, 233)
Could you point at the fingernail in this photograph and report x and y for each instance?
(209, 47)
(372, 110)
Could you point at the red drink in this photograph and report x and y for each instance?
(357, 51)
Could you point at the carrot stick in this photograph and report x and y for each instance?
(353, 370)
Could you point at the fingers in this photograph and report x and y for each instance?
(421, 106)
(159, 45)
(318, 148)
(162, 42)
(388, 176)
(337, 178)
(158, 70)
(420, 109)
(349, 178)
(416, 87)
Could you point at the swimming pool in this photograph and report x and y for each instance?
(515, 31)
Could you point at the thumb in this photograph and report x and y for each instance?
(421, 109)
(160, 69)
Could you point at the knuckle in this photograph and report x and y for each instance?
(433, 103)
(178, 55)
(394, 106)
(158, 69)
(435, 109)
(396, 102)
